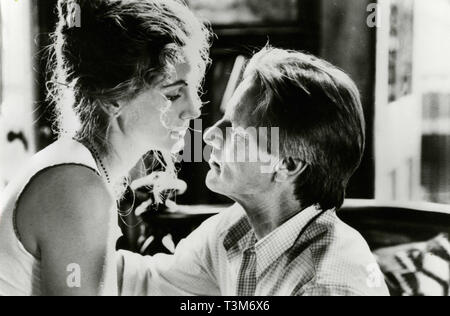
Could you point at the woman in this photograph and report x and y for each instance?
(126, 75)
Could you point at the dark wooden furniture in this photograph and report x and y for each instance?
(381, 224)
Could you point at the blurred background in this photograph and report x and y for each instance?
(397, 51)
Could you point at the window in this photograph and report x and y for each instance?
(413, 101)
(17, 87)
(228, 12)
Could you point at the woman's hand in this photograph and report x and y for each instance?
(152, 188)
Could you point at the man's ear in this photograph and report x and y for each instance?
(289, 168)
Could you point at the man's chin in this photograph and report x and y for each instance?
(213, 182)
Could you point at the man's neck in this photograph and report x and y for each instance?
(267, 212)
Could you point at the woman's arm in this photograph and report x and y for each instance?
(191, 270)
(71, 224)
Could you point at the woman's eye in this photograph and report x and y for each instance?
(173, 98)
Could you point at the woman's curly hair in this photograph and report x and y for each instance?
(119, 48)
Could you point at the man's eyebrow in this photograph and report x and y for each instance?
(176, 83)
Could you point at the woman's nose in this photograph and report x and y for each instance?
(191, 114)
(192, 110)
(213, 137)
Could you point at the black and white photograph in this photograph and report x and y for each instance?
(224, 153)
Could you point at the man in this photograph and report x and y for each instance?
(282, 237)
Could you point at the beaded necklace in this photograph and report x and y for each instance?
(97, 157)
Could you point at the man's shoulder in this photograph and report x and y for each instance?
(342, 259)
(212, 231)
(225, 219)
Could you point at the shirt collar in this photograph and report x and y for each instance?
(241, 236)
(238, 234)
(278, 242)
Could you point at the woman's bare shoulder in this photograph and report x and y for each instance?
(61, 198)
(65, 184)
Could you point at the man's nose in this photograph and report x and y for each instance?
(214, 137)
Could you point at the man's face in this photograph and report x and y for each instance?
(239, 149)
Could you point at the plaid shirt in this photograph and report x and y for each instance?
(314, 253)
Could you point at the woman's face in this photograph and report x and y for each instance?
(159, 118)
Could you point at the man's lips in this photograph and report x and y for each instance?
(213, 163)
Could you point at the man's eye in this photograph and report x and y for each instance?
(173, 98)
(239, 133)
(243, 136)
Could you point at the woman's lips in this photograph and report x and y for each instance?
(177, 135)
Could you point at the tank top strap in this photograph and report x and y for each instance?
(20, 270)
(64, 151)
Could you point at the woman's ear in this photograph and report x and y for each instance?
(289, 169)
(114, 109)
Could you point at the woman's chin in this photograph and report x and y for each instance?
(177, 142)
(177, 146)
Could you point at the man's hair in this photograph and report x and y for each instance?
(317, 108)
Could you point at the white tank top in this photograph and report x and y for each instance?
(19, 270)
